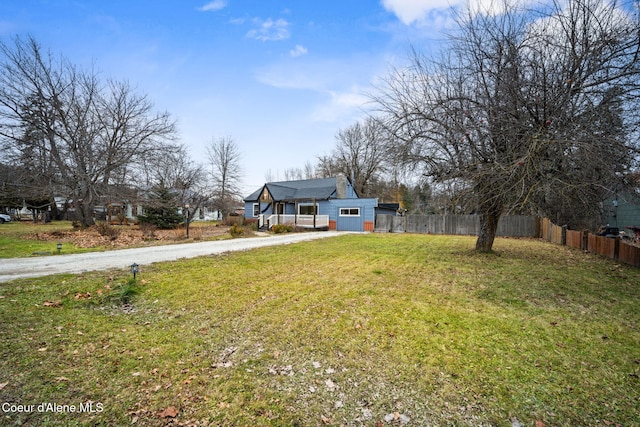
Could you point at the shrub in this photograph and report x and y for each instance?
(281, 228)
(233, 219)
(127, 291)
(148, 231)
(107, 230)
(236, 231)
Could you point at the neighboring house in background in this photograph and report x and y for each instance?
(325, 203)
(623, 212)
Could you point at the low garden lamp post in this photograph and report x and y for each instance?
(134, 270)
(59, 247)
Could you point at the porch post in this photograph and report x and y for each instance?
(314, 214)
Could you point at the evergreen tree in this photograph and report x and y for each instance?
(162, 208)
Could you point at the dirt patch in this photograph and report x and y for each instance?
(124, 236)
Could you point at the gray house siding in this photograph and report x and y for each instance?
(625, 214)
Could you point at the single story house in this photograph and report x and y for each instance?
(325, 203)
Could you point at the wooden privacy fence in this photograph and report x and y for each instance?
(508, 226)
(614, 248)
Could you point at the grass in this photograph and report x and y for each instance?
(20, 239)
(25, 239)
(356, 330)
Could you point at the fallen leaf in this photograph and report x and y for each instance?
(49, 303)
(42, 349)
(539, 423)
(170, 412)
(3, 385)
(325, 420)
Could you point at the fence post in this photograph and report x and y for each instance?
(563, 238)
(616, 249)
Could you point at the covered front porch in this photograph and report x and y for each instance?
(303, 221)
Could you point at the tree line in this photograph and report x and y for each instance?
(524, 110)
(67, 132)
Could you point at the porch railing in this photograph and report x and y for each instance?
(305, 221)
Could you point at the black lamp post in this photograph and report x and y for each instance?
(134, 270)
(59, 247)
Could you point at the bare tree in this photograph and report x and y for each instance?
(175, 171)
(524, 109)
(226, 173)
(78, 129)
(360, 154)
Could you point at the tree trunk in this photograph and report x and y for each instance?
(488, 228)
(84, 214)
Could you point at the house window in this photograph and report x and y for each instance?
(256, 209)
(307, 209)
(349, 211)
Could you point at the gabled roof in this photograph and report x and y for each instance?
(306, 189)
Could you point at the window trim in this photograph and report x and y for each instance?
(317, 207)
(349, 212)
(256, 210)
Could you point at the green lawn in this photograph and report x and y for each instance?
(22, 239)
(372, 330)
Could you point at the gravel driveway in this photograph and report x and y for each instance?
(17, 268)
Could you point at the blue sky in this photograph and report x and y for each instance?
(279, 77)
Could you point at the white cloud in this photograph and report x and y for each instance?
(410, 11)
(336, 88)
(213, 6)
(269, 30)
(341, 107)
(419, 11)
(299, 50)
